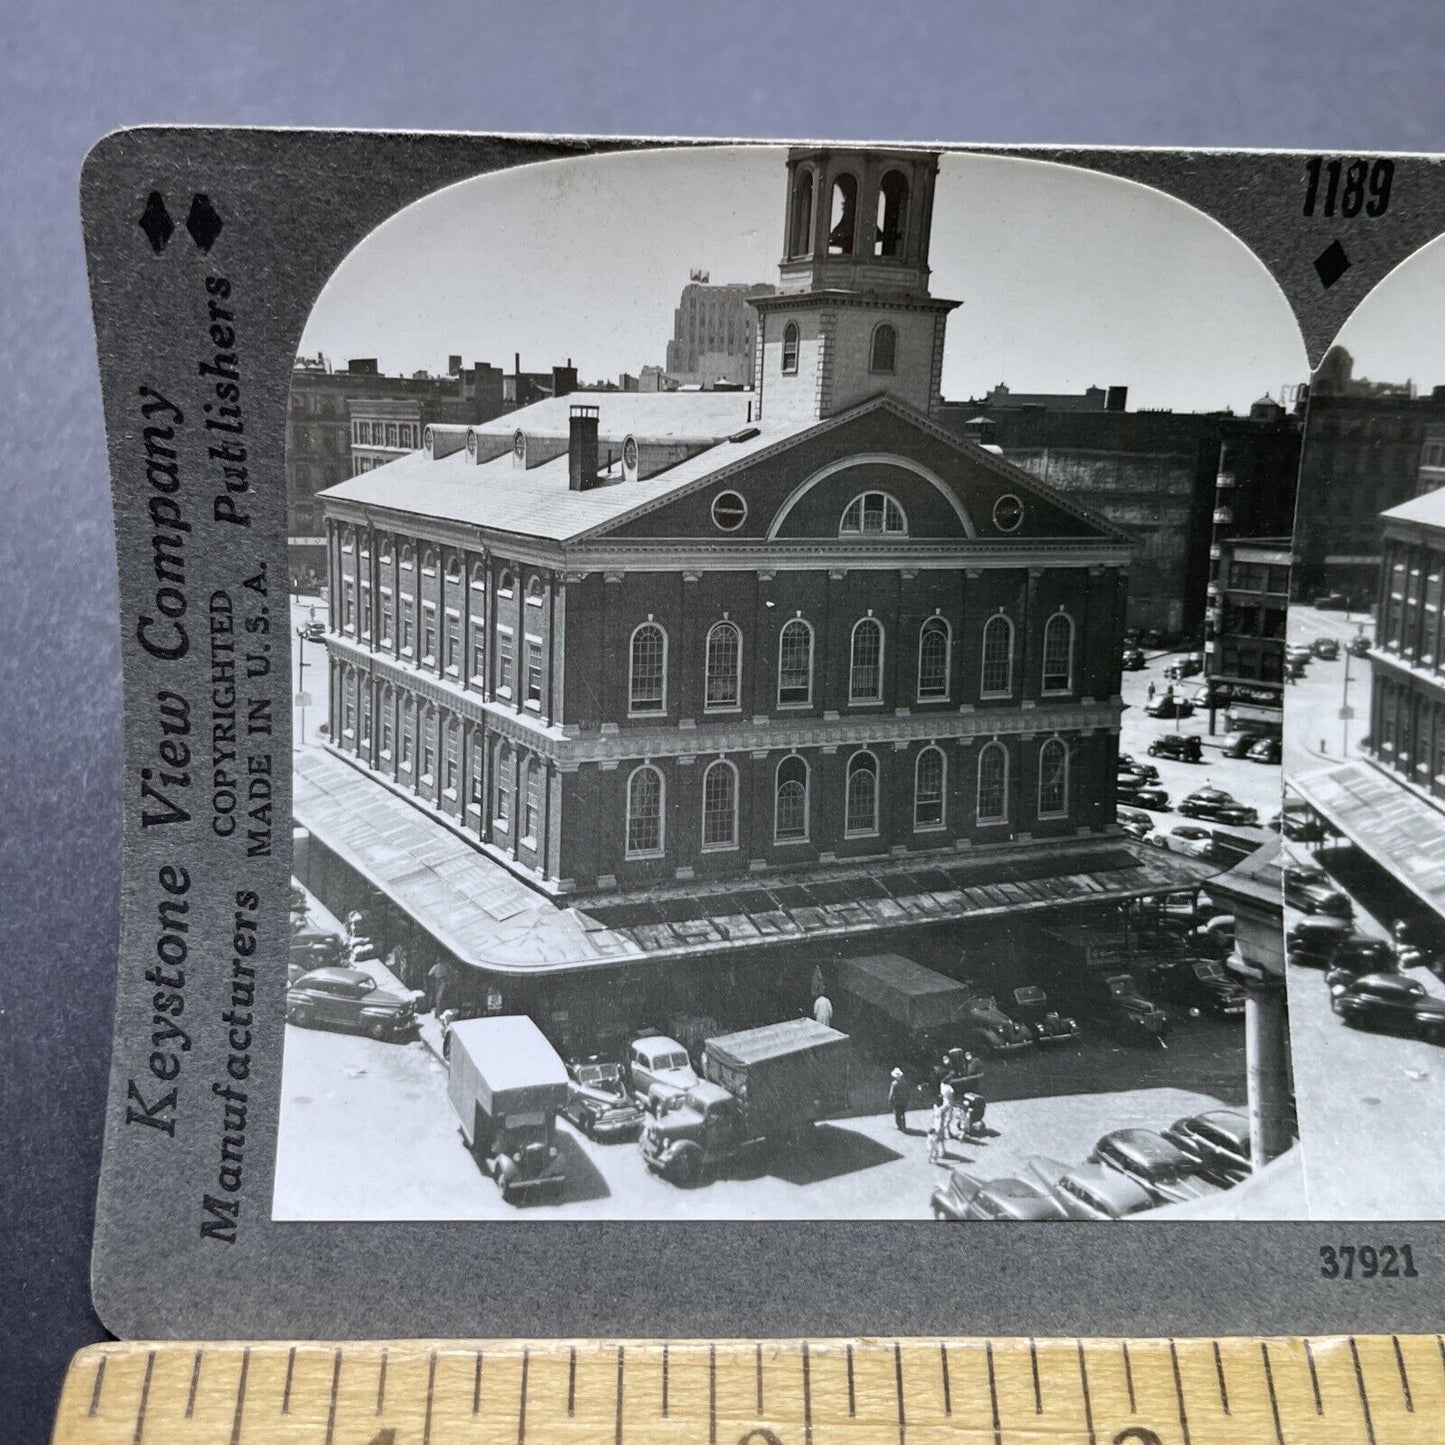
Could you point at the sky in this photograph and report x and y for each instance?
(1394, 333)
(1067, 278)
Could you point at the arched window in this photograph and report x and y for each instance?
(647, 672)
(843, 217)
(884, 353)
(790, 801)
(502, 793)
(724, 667)
(429, 562)
(1058, 653)
(506, 584)
(802, 242)
(534, 592)
(454, 569)
(872, 514)
(933, 649)
(865, 675)
(998, 651)
(860, 816)
(929, 774)
(1054, 779)
(720, 806)
(790, 349)
(387, 553)
(892, 214)
(795, 664)
(407, 556)
(479, 577)
(993, 783)
(644, 812)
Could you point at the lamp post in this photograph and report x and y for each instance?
(301, 681)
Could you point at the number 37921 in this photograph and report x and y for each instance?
(1367, 1261)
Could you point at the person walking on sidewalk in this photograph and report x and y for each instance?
(898, 1099)
(937, 1140)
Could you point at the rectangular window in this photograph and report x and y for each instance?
(386, 730)
(451, 761)
(406, 726)
(388, 611)
(391, 433)
(532, 810)
(478, 678)
(365, 608)
(475, 754)
(453, 657)
(348, 710)
(502, 813)
(428, 750)
(429, 633)
(408, 625)
(534, 672)
(348, 605)
(504, 661)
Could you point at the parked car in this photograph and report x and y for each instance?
(994, 1029)
(964, 1197)
(349, 998)
(1310, 890)
(1182, 747)
(1186, 838)
(1298, 652)
(1031, 1007)
(1149, 796)
(1239, 745)
(1194, 983)
(1311, 942)
(1163, 1170)
(1359, 646)
(1390, 1002)
(1087, 1191)
(657, 1068)
(1327, 649)
(598, 1102)
(1135, 823)
(313, 948)
(299, 901)
(1266, 750)
(1190, 665)
(314, 630)
(1294, 667)
(1214, 938)
(1216, 806)
(1128, 763)
(1167, 704)
(1301, 825)
(1113, 1001)
(1218, 1140)
(1152, 638)
(1133, 659)
(1355, 957)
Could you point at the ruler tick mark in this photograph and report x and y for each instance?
(431, 1384)
(381, 1385)
(99, 1383)
(664, 1381)
(758, 1365)
(807, 1398)
(993, 1395)
(335, 1390)
(1273, 1398)
(898, 1383)
(1314, 1378)
(852, 1399)
(145, 1396)
(196, 1380)
(477, 1386)
(522, 1399)
(1404, 1378)
(1088, 1403)
(1129, 1378)
(572, 1382)
(1219, 1371)
(1179, 1392)
(241, 1397)
(1360, 1385)
(617, 1433)
(712, 1392)
(1034, 1370)
(947, 1389)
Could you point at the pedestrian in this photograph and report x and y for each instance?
(1151, 692)
(945, 1105)
(439, 976)
(898, 1099)
(823, 1010)
(937, 1123)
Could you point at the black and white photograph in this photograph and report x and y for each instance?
(1365, 760)
(788, 667)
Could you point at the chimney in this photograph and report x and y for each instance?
(454, 366)
(564, 379)
(1117, 399)
(582, 448)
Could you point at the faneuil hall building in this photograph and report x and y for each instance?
(648, 702)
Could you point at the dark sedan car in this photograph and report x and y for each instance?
(1312, 941)
(312, 949)
(1182, 747)
(1302, 827)
(1239, 745)
(598, 1102)
(1163, 1169)
(1133, 659)
(1359, 646)
(1194, 983)
(1155, 799)
(348, 998)
(1327, 649)
(1393, 1003)
(1218, 1141)
(1266, 750)
(964, 1197)
(1214, 805)
(1147, 772)
(1088, 1191)
(1354, 957)
(1310, 890)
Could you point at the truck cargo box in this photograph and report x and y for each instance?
(916, 997)
(506, 1068)
(786, 1075)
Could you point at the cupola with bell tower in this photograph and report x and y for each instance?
(853, 317)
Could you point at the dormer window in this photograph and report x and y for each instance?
(892, 214)
(873, 514)
(843, 216)
(790, 349)
(884, 352)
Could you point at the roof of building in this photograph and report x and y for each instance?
(487, 917)
(1426, 511)
(647, 415)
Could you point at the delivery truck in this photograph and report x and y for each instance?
(507, 1085)
(762, 1085)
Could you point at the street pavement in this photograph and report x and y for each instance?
(1314, 732)
(309, 673)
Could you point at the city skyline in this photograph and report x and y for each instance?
(1138, 289)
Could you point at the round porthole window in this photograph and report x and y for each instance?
(729, 511)
(1008, 512)
(519, 445)
(629, 453)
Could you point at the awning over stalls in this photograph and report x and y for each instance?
(1402, 832)
(1243, 712)
(488, 918)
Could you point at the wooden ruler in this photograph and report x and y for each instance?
(1370, 1389)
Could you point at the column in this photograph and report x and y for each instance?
(1266, 1052)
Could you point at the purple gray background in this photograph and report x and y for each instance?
(1137, 72)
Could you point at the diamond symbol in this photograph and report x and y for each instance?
(156, 222)
(1331, 264)
(203, 223)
